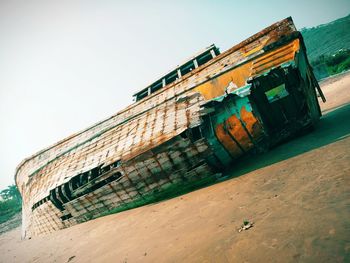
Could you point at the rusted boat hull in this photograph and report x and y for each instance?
(271, 108)
(246, 99)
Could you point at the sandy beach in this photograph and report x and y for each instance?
(297, 196)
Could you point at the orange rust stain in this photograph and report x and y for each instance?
(251, 123)
(285, 49)
(235, 128)
(216, 87)
(257, 48)
(227, 141)
(273, 63)
(275, 58)
(238, 76)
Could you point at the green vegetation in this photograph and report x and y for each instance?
(10, 203)
(327, 39)
(328, 47)
(329, 65)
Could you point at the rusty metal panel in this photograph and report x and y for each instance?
(237, 76)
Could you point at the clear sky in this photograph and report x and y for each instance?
(65, 65)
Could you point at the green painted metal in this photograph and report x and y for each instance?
(225, 106)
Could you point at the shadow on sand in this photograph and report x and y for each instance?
(333, 126)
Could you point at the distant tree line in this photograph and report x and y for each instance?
(10, 203)
(326, 65)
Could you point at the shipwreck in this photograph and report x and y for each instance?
(191, 124)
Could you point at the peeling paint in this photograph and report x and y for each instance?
(188, 131)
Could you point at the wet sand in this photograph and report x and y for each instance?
(297, 195)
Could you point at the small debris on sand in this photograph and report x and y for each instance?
(246, 225)
(71, 258)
